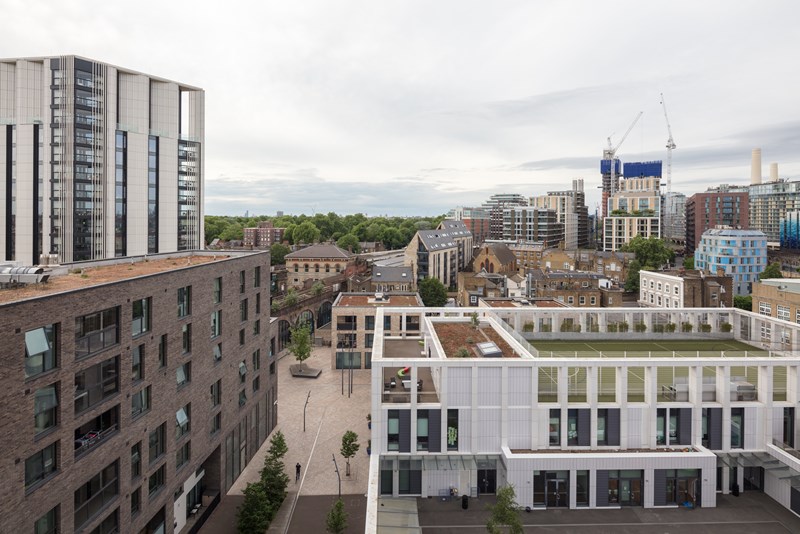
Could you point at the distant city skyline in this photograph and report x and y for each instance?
(412, 108)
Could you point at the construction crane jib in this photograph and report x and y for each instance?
(670, 146)
(611, 152)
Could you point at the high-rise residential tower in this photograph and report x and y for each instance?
(97, 161)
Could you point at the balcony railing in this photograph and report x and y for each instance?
(96, 341)
(90, 440)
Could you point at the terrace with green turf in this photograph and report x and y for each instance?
(703, 348)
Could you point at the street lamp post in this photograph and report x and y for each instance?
(336, 467)
(304, 411)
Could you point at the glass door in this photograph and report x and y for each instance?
(557, 493)
(487, 481)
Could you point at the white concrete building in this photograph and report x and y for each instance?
(101, 161)
(588, 429)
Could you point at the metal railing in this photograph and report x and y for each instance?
(92, 439)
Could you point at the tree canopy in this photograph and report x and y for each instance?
(652, 253)
(306, 233)
(278, 253)
(773, 270)
(349, 242)
(504, 513)
(300, 342)
(350, 447)
(433, 293)
(743, 302)
(392, 232)
(336, 522)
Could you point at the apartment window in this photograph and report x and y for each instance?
(95, 384)
(555, 427)
(258, 303)
(257, 277)
(387, 323)
(137, 363)
(572, 427)
(216, 393)
(256, 327)
(242, 398)
(48, 523)
(393, 430)
(737, 428)
(186, 337)
(183, 374)
(162, 351)
(141, 316)
(183, 454)
(241, 281)
(157, 443)
(96, 332)
(93, 496)
(136, 460)
(592, 301)
(764, 308)
(182, 423)
(582, 300)
(257, 360)
(41, 465)
(602, 435)
(241, 336)
(256, 383)
(369, 340)
(216, 423)
(136, 501)
(217, 350)
(797, 316)
(783, 312)
(216, 323)
(570, 300)
(369, 322)
(243, 310)
(272, 368)
(184, 301)
(422, 430)
(156, 481)
(675, 290)
(45, 408)
(242, 371)
(217, 292)
(140, 402)
(41, 350)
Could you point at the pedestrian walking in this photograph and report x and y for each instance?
(297, 469)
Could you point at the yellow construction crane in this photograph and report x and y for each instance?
(670, 146)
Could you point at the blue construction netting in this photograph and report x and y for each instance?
(642, 168)
(605, 166)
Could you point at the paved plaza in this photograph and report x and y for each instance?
(328, 416)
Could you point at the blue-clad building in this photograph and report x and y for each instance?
(790, 230)
(739, 253)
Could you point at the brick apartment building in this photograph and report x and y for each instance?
(263, 236)
(134, 393)
(714, 208)
(574, 288)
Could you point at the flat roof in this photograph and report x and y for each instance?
(368, 299)
(86, 277)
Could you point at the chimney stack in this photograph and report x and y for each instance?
(773, 172)
(755, 167)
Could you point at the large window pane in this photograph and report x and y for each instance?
(40, 350)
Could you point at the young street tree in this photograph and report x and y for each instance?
(277, 446)
(433, 293)
(504, 513)
(300, 343)
(336, 523)
(350, 447)
(255, 512)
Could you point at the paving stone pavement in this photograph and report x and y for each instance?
(328, 416)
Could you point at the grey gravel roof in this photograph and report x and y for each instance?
(319, 251)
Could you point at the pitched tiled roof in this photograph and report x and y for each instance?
(383, 273)
(319, 251)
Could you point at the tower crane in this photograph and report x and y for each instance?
(670, 147)
(611, 152)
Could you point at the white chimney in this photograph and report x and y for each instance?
(773, 172)
(755, 167)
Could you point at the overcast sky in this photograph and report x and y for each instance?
(412, 107)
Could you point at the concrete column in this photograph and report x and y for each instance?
(724, 386)
(696, 398)
(765, 385)
(650, 395)
(648, 497)
(504, 406)
(622, 400)
(592, 488)
(563, 401)
(591, 398)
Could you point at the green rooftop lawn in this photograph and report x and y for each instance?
(686, 348)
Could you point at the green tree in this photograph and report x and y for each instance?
(318, 288)
(632, 282)
(504, 513)
(255, 512)
(432, 292)
(350, 447)
(274, 481)
(688, 262)
(291, 297)
(306, 233)
(393, 238)
(233, 231)
(773, 270)
(277, 446)
(300, 342)
(278, 252)
(336, 522)
(652, 252)
(349, 242)
(743, 302)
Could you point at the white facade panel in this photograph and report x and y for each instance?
(137, 194)
(519, 386)
(167, 194)
(488, 431)
(134, 103)
(519, 428)
(489, 386)
(459, 387)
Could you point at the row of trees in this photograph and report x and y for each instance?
(348, 230)
(262, 499)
